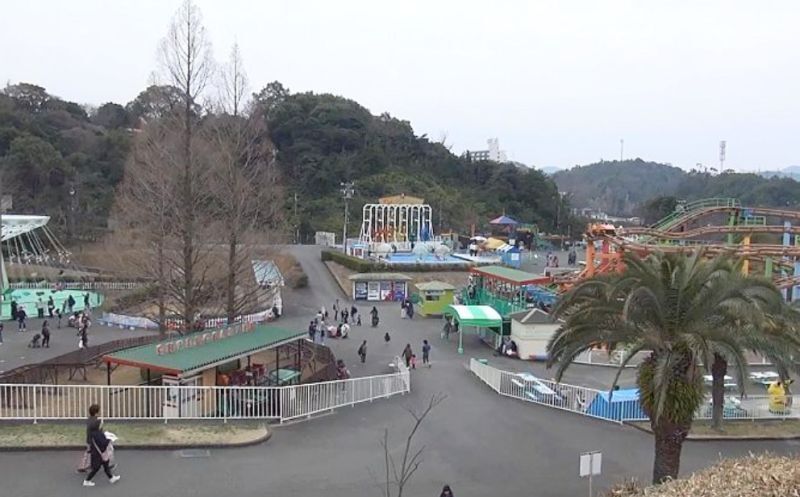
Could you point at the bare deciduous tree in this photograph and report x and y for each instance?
(396, 476)
(187, 61)
(245, 190)
(145, 203)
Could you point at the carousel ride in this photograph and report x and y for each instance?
(31, 253)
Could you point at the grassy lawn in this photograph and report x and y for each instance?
(744, 429)
(52, 434)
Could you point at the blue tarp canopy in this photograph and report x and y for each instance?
(622, 404)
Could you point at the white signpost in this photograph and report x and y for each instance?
(590, 464)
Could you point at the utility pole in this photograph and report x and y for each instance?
(347, 193)
(722, 146)
(621, 149)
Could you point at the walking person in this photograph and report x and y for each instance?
(362, 352)
(45, 335)
(312, 329)
(410, 310)
(21, 317)
(353, 312)
(403, 310)
(374, 314)
(407, 353)
(1, 333)
(426, 351)
(70, 303)
(14, 308)
(40, 308)
(86, 303)
(99, 454)
(446, 492)
(51, 305)
(448, 328)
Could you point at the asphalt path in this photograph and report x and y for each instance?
(476, 441)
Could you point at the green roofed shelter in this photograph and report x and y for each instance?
(478, 316)
(195, 352)
(509, 275)
(481, 316)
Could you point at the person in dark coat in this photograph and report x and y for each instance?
(13, 310)
(45, 335)
(98, 443)
(446, 492)
(407, 353)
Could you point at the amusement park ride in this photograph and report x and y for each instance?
(765, 239)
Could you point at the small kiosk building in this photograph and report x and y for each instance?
(531, 330)
(435, 296)
(386, 287)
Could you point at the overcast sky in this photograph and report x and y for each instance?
(558, 82)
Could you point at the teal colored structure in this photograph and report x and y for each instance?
(29, 298)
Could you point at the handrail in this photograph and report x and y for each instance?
(671, 219)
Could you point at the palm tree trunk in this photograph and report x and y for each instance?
(669, 442)
(718, 370)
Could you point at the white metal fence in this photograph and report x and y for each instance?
(61, 402)
(620, 406)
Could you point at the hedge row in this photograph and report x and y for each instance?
(366, 266)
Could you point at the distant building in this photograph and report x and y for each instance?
(493, 153)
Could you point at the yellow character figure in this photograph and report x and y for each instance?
(778, 400)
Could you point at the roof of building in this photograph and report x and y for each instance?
(186, 361)
(267, 273)
(533, 316)
(379, 277)
(435, 286)
(482, 316)
(508, 274)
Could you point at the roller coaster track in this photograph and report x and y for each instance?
(708, 230)
(702, 208)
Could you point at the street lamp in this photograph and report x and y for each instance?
(72, 193)
(348, 190)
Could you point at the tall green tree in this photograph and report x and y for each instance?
(673, 307)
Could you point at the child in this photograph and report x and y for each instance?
(413, 361)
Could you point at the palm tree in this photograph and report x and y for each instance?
(674, 306)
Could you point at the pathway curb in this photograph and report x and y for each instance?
(719, 438)
(123, 447)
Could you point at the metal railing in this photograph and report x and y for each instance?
(619, 406)
(65, 402)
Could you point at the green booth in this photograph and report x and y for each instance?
(482, 318)
(434, 297)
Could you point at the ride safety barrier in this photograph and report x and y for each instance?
(622, 405)
(139, 402)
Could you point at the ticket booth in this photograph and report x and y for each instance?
(434, 297)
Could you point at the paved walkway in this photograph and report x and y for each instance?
(15, 351)
(480, 443)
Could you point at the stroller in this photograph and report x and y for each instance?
(34, 343)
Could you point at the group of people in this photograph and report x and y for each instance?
(410, 358)
(552, 260)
